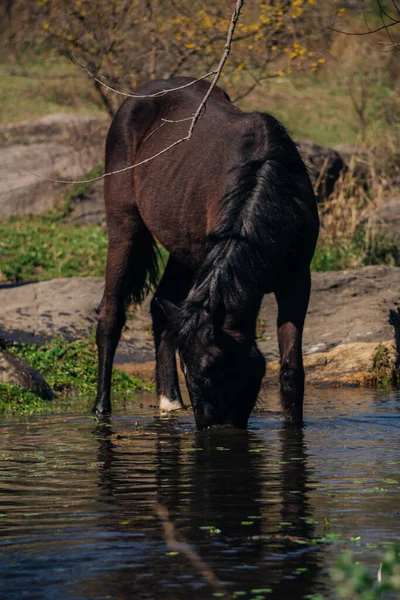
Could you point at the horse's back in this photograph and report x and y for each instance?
(179, 192)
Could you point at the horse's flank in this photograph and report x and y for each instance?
(233, 206)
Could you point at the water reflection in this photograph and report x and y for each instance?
(79, 504)
(241, 506)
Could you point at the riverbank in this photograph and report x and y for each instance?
(348, 339)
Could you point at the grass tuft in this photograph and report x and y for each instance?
(70, 368)
(349, 238)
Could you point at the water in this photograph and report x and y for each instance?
(99, 512)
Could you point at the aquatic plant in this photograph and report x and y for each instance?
(70, 368)
(353, 581)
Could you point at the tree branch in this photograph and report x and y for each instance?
(194, 119)
(176, 545)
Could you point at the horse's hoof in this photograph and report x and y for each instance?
(101, 414)
(294, 423)
(167, 405)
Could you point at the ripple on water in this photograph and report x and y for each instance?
(82, 506)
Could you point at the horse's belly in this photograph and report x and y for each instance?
(177, 220)
(179, 195)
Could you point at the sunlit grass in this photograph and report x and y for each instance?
(35, 248)
(44, 86)
(70, 368)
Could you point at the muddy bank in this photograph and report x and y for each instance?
(347, 320)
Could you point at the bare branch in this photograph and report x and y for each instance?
(132, 94)
(364, 32)
(171, 537)
(222, 62)
(194, 118)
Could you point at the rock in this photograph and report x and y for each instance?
(324, 164)
(387, 216)
(347, 364)
(57, 146)
(348, 309)
(15, 371)
(38, 312)
(90, 207)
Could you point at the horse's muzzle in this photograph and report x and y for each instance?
(206, 415)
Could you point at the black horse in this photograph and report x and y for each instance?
(236, 211)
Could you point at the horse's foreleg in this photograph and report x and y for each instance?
(292, 297)
(174, 286)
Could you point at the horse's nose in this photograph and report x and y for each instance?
(206, 415)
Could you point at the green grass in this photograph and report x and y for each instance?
(318, 107)
(353, 581)
(358, 251)
(40, 87)
(312, 106)
(68, 367)
(37, 248)
(303, 104)
(16, 401)
(43, 247)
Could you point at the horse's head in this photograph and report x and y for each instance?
(223, 368)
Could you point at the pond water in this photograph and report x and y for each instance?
(147, 508)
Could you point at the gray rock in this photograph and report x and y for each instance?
(346, 307)
(38, 312)
(90, 207)
(387, 216)
(15, 371)
(57, 147)
(324, 164)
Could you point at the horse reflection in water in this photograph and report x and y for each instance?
(222, 481)
(235, 209)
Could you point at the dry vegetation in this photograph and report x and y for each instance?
(331, 88)
(127, 42)
(350, 236)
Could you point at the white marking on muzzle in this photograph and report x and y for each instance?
(167, 405)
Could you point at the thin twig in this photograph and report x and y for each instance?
(194, 118)
(171, 538)
(222, 62)
(132, 94)
(386, 26)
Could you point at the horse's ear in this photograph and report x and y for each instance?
(169, 308)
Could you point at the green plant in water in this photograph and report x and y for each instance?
(16, 401)
(65, 364)
(67, 367)
(353, 581)
(261, 328)
(384, 367)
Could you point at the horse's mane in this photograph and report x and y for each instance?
(255, 216)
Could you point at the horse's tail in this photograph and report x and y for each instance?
(145, 276)
(127, 232)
